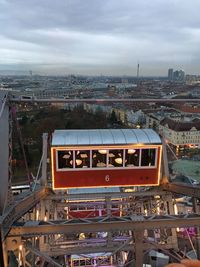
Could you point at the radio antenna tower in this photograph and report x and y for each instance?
(138, 73)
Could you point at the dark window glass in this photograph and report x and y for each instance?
(82, 262)
(65, 158)
(73, 208)
(99, 158)
(115, 158)
(148, 157)
(76, 262)
(82, 159)
(132, 157)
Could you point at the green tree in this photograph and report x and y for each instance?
(113, 117)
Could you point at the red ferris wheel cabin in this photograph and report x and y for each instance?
(105, 158)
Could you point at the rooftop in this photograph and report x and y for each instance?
(105, 137)
(181, 126)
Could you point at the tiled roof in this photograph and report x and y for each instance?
(181, 126)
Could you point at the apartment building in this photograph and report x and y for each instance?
(180, 133)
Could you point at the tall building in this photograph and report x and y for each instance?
(170, 74)
(179, 75)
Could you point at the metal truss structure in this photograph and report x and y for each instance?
(103, 100)
(37, 226)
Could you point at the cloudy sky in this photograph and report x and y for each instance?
(100, 36)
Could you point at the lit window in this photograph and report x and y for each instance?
(82, 159)
(132, 157)
(115, 158)
(99, 158)
(65, 158)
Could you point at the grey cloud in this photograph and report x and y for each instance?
(86, 35)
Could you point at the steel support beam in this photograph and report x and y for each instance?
(139, 235)
(19, 208)
(1, 251)
(87, 250)
(165, 168)
(113, 248)
(196, 209)
(186, 190)
(4, 151)
(43, 256)
(114, 195)
(44, 160)
(104, 100)
(76, 226)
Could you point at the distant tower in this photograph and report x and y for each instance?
(138, 73)
(170, 74)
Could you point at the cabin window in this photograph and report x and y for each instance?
(148, 157)
(103, 158)
(65, 159)
(76, 263)
(73, 208)
(132, 157)
(99, 158)
(82, 159)
(115, 158)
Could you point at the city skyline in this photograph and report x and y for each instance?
(100, 37)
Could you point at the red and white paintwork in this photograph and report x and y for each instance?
(105, 177)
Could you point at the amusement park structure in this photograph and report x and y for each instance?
(104, 224)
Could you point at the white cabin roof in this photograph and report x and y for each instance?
(105, 137)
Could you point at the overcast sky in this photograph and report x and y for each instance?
(100, 36)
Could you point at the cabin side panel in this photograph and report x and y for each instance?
(105, 177)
